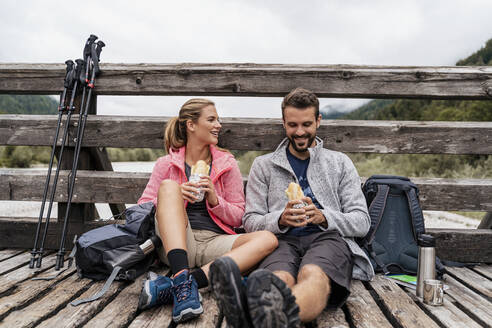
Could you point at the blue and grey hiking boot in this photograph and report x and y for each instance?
(230, 292)
(156, 290)
(271, 303)
(186, 297)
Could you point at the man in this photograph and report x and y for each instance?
(317, 256)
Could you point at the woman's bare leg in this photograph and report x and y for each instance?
(171, 216)
(249, 249)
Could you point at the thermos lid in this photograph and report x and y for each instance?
(426, 241)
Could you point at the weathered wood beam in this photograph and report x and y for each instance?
(90, 186)
(463, 245)
(263, 134)
(126, 188)
(20, 232)
(260, 80)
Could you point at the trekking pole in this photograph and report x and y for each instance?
(84, 76)
(68, 80)
(60, 157)
(94, 58)
(84, 80)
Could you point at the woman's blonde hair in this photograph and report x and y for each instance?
(175, 131)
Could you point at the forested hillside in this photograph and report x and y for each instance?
(446, 166)
(432, 110)
(27, 104)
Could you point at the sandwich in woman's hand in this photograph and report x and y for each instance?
(200, 168)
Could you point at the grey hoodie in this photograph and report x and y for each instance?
(333, 180)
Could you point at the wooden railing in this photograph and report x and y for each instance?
(118, 188)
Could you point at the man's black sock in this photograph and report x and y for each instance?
(178, 260)
(200, 277)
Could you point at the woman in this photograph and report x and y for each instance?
(195, 233)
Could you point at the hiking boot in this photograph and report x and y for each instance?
(186, 297)
(271, 303)
(156, 290)
(230, 292)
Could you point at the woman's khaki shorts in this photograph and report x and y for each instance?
(203, 246)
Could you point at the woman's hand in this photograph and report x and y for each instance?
(208, 187)
(189, 190)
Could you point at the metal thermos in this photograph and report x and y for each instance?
(427, 262)
(150, 244)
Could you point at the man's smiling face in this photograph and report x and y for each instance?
(300, 126)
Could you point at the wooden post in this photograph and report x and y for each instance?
(102, 162)
(486, 222)
(90, 158)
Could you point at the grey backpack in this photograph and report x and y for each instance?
(116, 251)
(396, 224)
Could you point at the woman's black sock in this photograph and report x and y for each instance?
(178, 260)
(200, 277)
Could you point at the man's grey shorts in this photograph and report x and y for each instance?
(326, 249)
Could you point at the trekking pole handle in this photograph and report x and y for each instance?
(100, 45)
(83, 73)
(68, 74)
(95, 53)
(88, 45)
(80, 67)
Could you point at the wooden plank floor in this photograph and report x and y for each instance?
(379, 303)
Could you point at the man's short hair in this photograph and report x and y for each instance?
(301, 98)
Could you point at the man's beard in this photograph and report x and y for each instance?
(309, 142)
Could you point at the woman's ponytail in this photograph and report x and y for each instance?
(173, 135)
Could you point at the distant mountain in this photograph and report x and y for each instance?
(482, 57)
(368, 111)
(431, 110)
(330, 112)
(27, 104)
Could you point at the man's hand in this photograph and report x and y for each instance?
(314, 214)
(293, 217)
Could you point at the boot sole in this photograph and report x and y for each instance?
(188, 314)
(226, 285)
(144, 299)
(271, 303)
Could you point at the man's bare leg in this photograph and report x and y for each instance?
(311, 290)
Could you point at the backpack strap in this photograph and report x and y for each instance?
(415, 213)
(376, 211)
(101, 292)
(379, 264)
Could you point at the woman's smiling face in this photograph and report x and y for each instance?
(207, 128)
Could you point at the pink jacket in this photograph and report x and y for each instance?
(226, 178)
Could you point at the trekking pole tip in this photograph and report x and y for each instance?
(59, 261)
(38, 262)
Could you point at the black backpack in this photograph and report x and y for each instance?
(396, 224)
(113, 252)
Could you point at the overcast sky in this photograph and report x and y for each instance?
(290, 32)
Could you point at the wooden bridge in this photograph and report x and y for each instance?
(376, 304)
